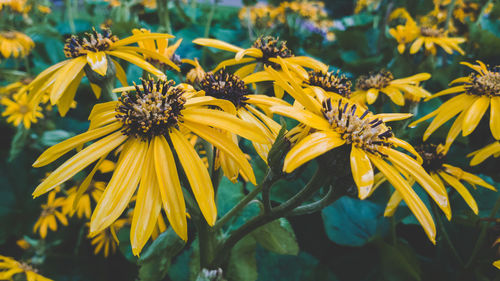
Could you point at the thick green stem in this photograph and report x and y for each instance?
(482, 234)
(107, 90)
(164, 16)
(207, 243)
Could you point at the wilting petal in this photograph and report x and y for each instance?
(98, 62)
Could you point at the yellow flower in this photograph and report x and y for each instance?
(226, 86)
(146, 124)
(159, 46)
(9, 267)
(369, 86)
(16, 5)
(363, 4)
(51, 211)
(196, 74)
(82, 207)
(267, 51)
(477, 92)
(434, 164)
(371, 143)
(329, 83)
(15, 44)
(21, 110)
(425, 34)
(262, 15)
(93, 51)
(478, 156)
(15, 87)
(23, 244)
(106, 240)
(497, 264)
(44, 9)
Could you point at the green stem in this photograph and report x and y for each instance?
(482, 234)
(449, 15)
(208, 25)
(27, 64)
(164, 16)
(445, 235)
(207, 243)
(107, 90)
(268, 181)
(69, 16)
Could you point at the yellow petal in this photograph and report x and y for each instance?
(474, 115)
(495, 117)
(230, 62)
(98, 62)
(411, 198)
(452, 90)
(303, 116)
(86, 182)
(308, 62)
(65, 76)
(66, 100)
(225, 105)
(96, 89)
(137, 60)
(468, 177)
(371, 95)
(395, 95)
(120, 73)
(225, 121)
(412, 79)
(362, 171)
(151, 54)
(56, 151)
(454, 131)
(389, 117)
(262, 100)
(417, 44)
(170, 187)
(245, 70)
(147, 205)
(197, 174)
(217, 44)
(140, 37)
(393, 204)
(253, 52)
(79, 161)
(121, 187)
(484, 153)
(311, 147)
(462, 190)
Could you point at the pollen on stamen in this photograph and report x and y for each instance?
(93, 42)
(272, 47)
(361, 130)
(330, 82)
(152, 110)
(224, 85)
(377, 80)
(485, 83)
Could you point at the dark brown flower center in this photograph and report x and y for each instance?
(271, 47)
(151, 111)
(377, 80)
(93, 42)
(362, 130)
(331, 82)
(11, 35)
(433, 160)
(484, 84)
(431, 31)
(224, 85)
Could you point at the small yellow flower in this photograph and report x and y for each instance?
(149, 121)
(21, 110)
(477, 92)
(497, 264)
(82, 207)
(369, 86)
(23, 244)
(159, 46)
(435, 164)
(478, 156)
(44, 9)
(268, 51)
(9, 268)
(15, 44)
(93, 51)
(106, 240)
(51, 211)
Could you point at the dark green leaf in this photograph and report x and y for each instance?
(278, 237)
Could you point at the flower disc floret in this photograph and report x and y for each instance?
(93, 42)
(271, 47)
(152, 110)
(362, 131)
(485, 83)
(377, 80)
(224, 85)
(433, 159)
(330, 82)
(432, 32)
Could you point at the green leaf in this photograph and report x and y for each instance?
(18, 142)
(50, 138)
(242, 263)
(352, 222)
(398, 262)
(155, 262)
(278, 237)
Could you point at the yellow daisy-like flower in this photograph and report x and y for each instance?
(371, 143)
(51, 212)
(369, 86)
(106, 240)
(268, 51)
(477, 92)
(329, 84)
(159, 46)
(478, 156)
(226, 86)
(15, 44)
(9, 267)
(434, 164)
(82, 207)
(424, 35)
(91, 55)
(147, 125)
(20, 110)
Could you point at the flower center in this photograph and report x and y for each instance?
(431, 32)
(433, 160)
(224, 85)
(271, 47)
(9, 35)
(331, 82)
(485, 84)
(47, 210)
(93, 42)
(362, 131)
(151, 111)
(26, 267)
(24, 109)
(377, 80)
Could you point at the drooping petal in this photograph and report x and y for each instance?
(197, 175)
(303, 116)
(79, 161)
(371, 95)
(98, 62)
(65, 76)
(393, 204)
(468, 177)
(121, 187)
(474, 115)
(225, 105)
(137, 60)
(484, 153)
(66, 100)
(311, 147)
(462, 190)
(214, 43)
(362, 171)
(170, 187)
(495, 117)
